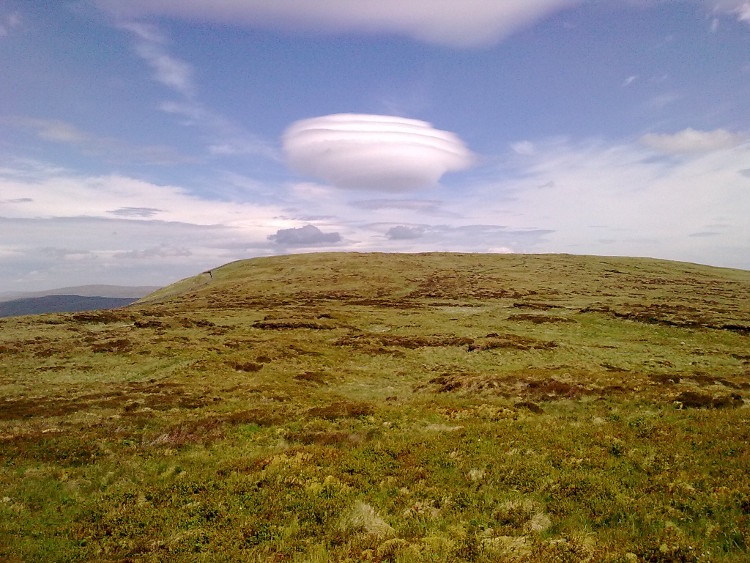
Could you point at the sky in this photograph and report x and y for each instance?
(142, 142)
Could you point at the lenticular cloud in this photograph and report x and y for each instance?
(376, 152)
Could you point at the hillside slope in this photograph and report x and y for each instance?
(60, 304)
(429, 407)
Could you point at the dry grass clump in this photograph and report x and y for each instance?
(362, 518)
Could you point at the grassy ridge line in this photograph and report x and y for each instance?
(431, 407)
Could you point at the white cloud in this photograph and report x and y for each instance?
(691, 141)
(629, 80)
(468, 23)
(68, 195)
(118, 229)
(616, 198)
(373, 151)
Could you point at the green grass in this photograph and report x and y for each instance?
(434, 407)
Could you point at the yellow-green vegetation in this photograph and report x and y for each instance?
(431, 407)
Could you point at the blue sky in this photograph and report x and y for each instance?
(145, 141)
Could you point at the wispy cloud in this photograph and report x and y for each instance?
(420, 205)
(110, 148)
(692, 141)
(9, 22)
(224, 137)
(737, 8)
(167, 69)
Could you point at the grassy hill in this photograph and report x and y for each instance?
(430, 407)
(60, 304)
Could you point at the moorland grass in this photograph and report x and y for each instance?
(433, 407)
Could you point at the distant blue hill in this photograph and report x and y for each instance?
(60, 304)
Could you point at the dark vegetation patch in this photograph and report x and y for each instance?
(326, 438)
(681, 316)
(63, 449)
(342, 409)
(372, 341)
(525, 389)
(613, 368)
(203, 431)
(700, 379)
(311, 377)
(113, 346)
(537, 306)
(665, 378)
(291, 324)
(539, 319)
(695, 400)
(210, 429)
(511, 341)
(388, 303)
(269, 416)
(533, 407)
(103, 317)
(186, 322)
(248, 367)
(155, 396)
(455, 285)
(148, 323)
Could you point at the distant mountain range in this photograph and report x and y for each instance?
(70, 299)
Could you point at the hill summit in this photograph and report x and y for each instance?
(387, 407)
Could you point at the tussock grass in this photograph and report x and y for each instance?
(433, 407)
